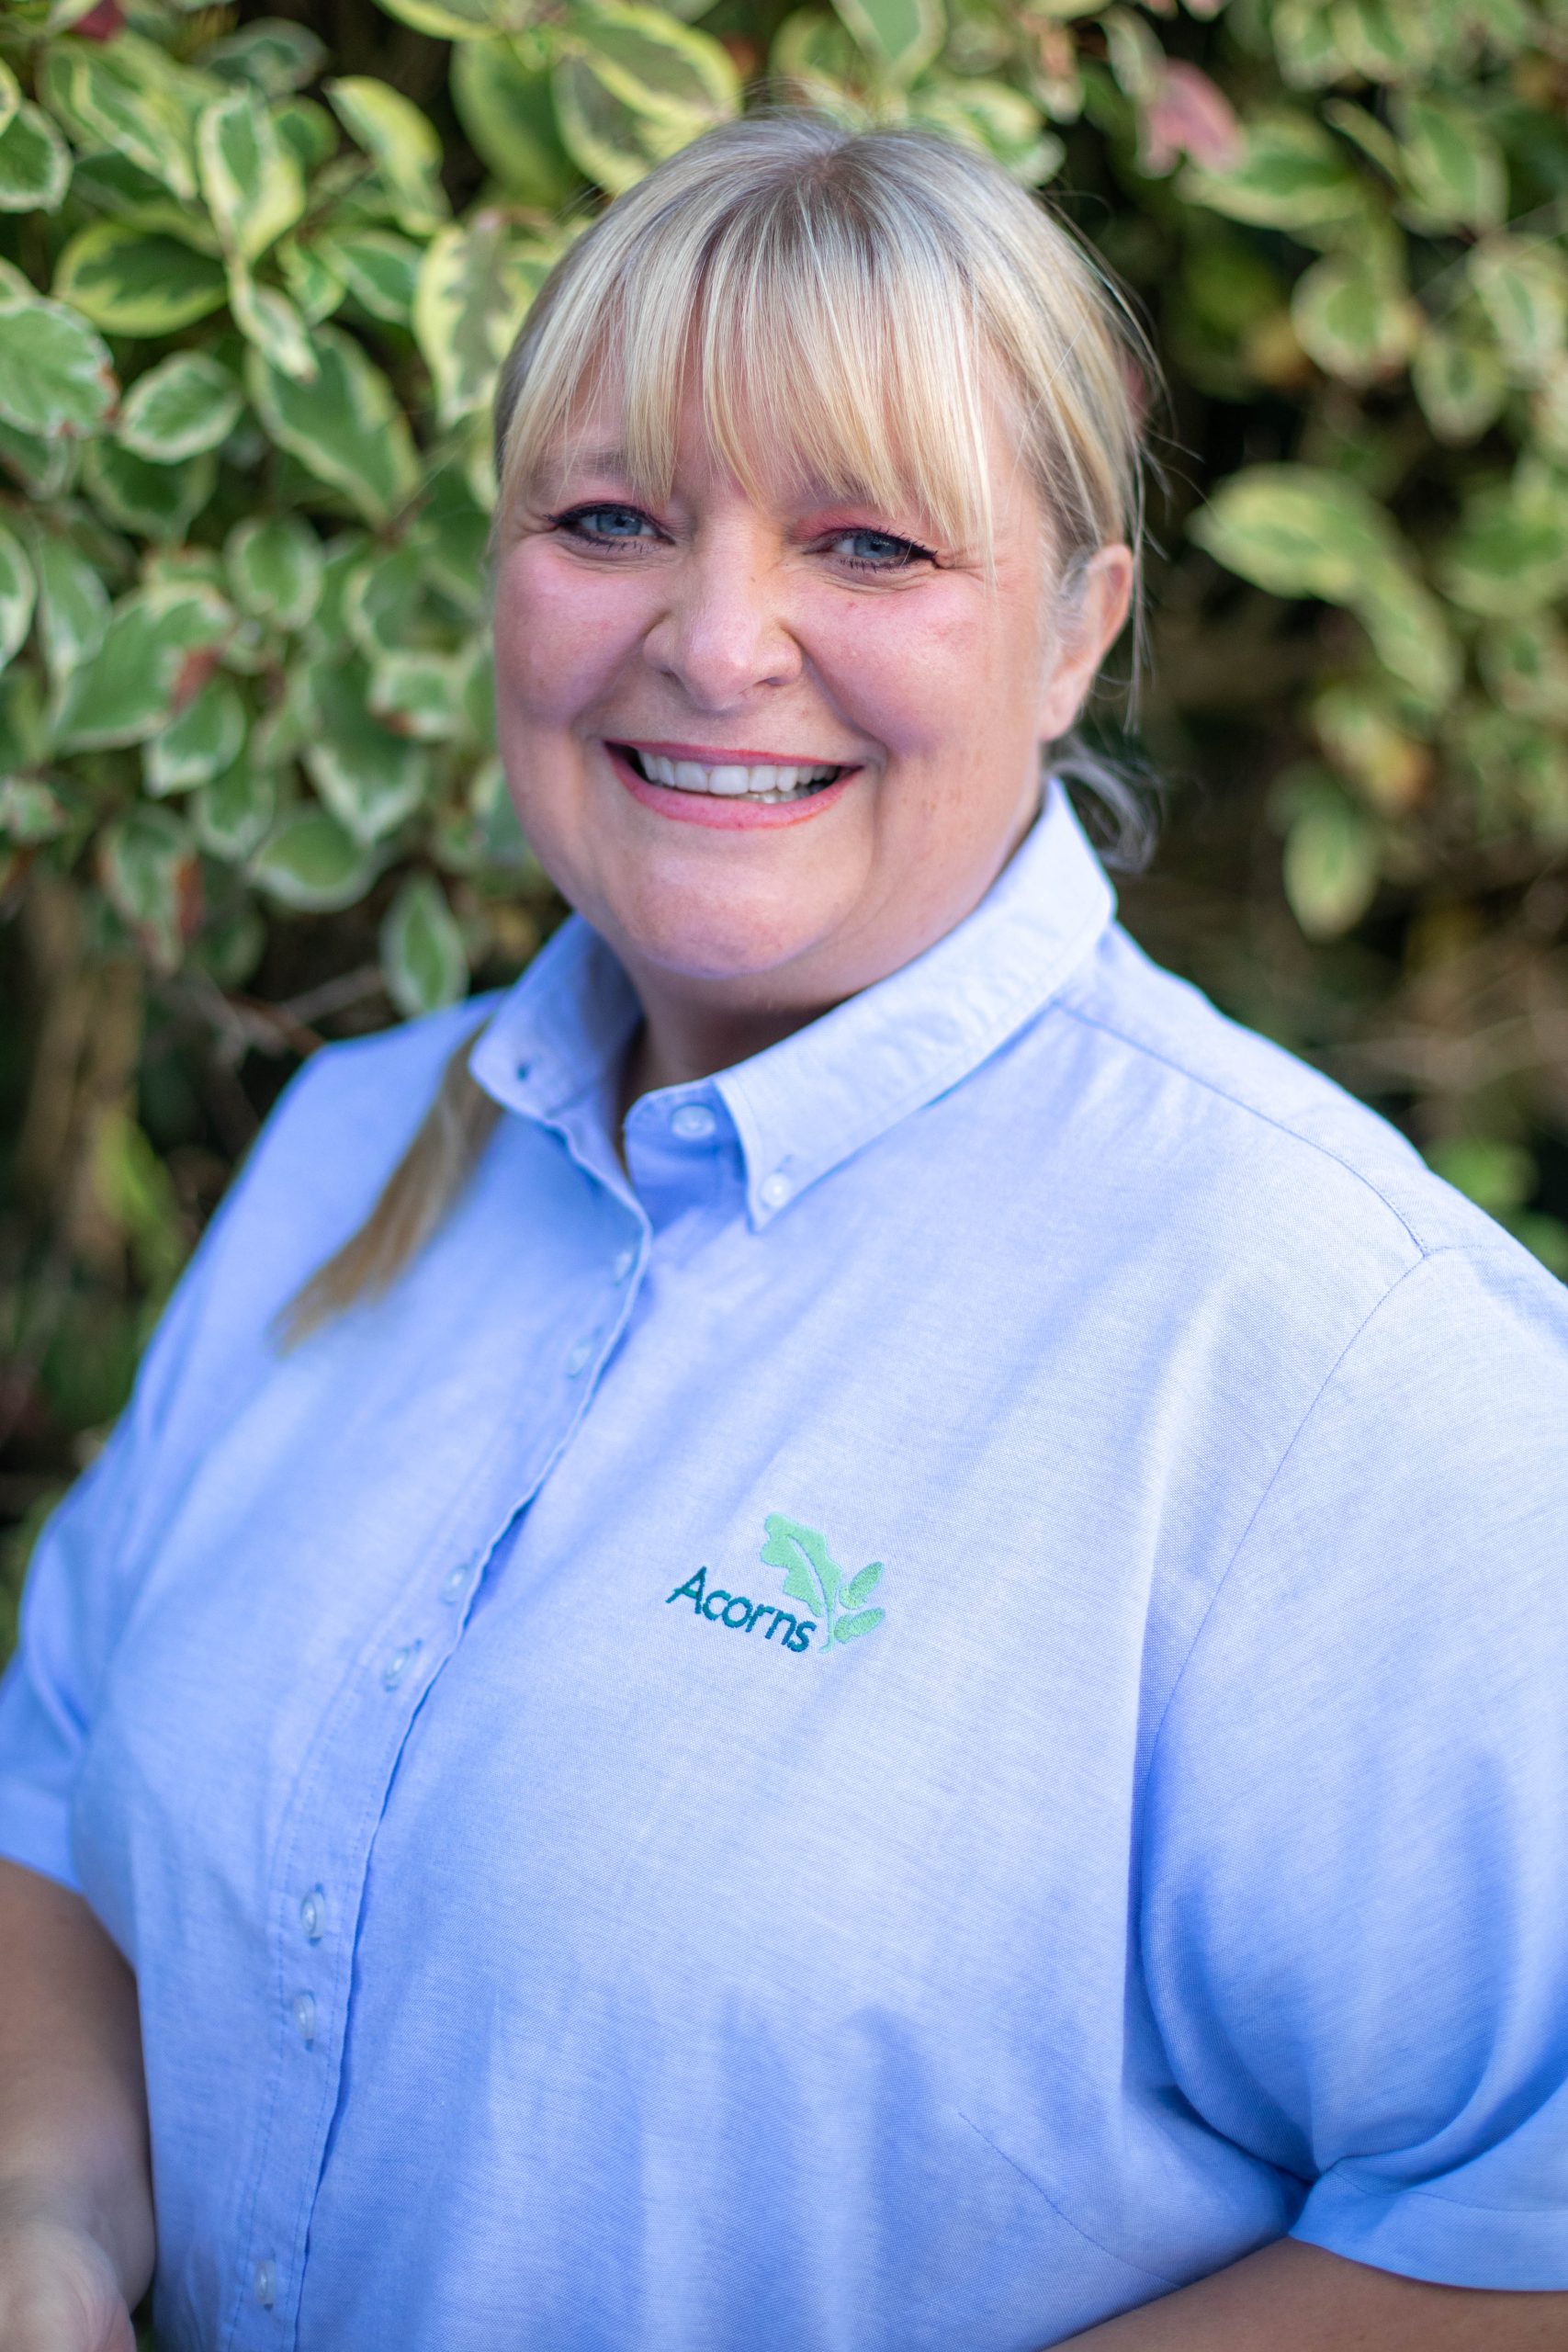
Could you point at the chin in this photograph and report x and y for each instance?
(713, 940)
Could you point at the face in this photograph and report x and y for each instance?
(771, 749)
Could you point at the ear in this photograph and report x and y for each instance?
(1087, 625)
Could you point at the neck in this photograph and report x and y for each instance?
(677, 1042)
(686, 1033)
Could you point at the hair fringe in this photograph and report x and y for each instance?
(417, 1197)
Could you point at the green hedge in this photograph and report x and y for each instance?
(252, 296)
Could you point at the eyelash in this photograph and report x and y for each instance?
(570, 522)
(909, 551)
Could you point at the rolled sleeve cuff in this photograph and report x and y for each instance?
(35, 1830)
(1423, 2234)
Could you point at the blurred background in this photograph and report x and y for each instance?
(257, 270)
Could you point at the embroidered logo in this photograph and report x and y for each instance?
(811, 1577)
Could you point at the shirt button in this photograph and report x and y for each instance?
(264, 2284)
(397, 1665)
(578, 1360)
(304, 2010)
(453, 1582)
(623, 1262)
(692, 1122)
(313, 1914)
(775, 1192)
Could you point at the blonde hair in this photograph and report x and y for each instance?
(849, 301)
(846, 298)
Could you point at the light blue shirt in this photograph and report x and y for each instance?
(935, 1715)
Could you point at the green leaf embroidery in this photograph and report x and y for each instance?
(849, 1629)
(790, 1547)
(814, 1578)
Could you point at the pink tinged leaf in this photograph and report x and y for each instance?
(189, 897)
(101, 23)
(196, 668)
(1189, 115)
(1056, 50)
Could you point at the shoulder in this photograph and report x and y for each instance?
(309, 1179)
(337, 1131)
(1310, 1271)
(360, 1102)
(1280, 1147)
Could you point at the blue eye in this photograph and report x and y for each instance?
(604, 523)
(878, 550)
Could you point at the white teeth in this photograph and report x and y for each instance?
(730, 783)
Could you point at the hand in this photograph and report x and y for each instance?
(59, 2290)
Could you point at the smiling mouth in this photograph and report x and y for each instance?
(767, 785)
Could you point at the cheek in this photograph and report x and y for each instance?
(921, 673)
(561, 636)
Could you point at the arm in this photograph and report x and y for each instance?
(1351, 1917)
(75, 2197)
(1295, 2298)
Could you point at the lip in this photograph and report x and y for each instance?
(718, 756)
(723, 815)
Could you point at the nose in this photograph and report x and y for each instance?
(724, 633)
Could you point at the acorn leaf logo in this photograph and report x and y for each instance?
(814, 1578)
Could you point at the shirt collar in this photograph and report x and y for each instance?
(806, 1104)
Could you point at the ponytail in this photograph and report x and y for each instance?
(418, 1195)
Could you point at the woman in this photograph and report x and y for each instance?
(862, 1651)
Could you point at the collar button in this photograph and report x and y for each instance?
(694, 1123)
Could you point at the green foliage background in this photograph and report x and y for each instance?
(255, 277)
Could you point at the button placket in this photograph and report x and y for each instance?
(310, 2018)
(398, 1665)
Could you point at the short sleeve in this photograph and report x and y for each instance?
(309, 1179)
(73, 1604)
(1354, 1906)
